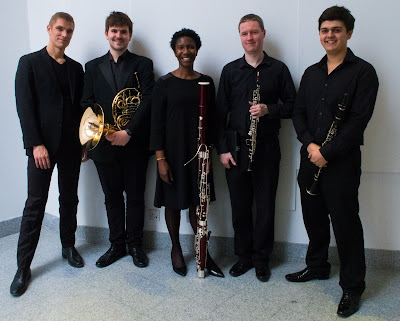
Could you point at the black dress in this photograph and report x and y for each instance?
(174, 129)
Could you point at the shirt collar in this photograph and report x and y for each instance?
(266, 61)
(349, 58)
(120, 58)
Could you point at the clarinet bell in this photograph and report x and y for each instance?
(313, 190)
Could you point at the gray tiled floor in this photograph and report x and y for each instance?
(125, 292)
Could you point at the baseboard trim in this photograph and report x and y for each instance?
(9, 227)
(219, 246)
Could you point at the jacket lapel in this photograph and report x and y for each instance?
(71, 78)
(126, 72)
(48, 66)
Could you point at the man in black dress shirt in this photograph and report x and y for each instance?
(322, 88)
(48, 89)
(253, 239)
(121, 159)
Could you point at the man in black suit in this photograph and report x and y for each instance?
(121, 159)
(48, 88)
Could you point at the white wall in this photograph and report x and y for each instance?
(292, 37)
(13, 161)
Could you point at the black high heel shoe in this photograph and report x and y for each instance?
(213, 268)
(182, 270)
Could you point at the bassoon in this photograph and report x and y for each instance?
(203, 154)
(203, 158)
(313, 190)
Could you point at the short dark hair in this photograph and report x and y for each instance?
(61, 15)
(184, 32)
(251, 17)
(118, 19)
(337, 13)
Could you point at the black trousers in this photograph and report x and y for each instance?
(68, 161)
(127, 173)
(339, 183)
(254, 236)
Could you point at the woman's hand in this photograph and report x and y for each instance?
(165, 171)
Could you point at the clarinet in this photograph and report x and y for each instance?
(313, 190)
(252, 141)
(203, 154)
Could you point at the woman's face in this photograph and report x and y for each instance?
(185, 51)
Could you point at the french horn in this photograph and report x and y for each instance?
(124, 107)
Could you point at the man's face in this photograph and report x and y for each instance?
(252, 37)
(118, 37)
(333, 36)
(60, 33)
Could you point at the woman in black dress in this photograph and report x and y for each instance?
(174, 132)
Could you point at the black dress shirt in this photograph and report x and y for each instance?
(238, 80)
(318, 98)
(116, 68)
(69, 124)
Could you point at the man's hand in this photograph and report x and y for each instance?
(258, 110)
(315, 155)
(165, 171)
(41, 156)
(119, 138)
(226, 158)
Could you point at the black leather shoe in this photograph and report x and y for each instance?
(349, 304)
(114, 253)
(213, 269)
(74, 258)
(240, 268)
(180, 270)
(20, 282)
(263, 273)
(306, 275)
(140, 258)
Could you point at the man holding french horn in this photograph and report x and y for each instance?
(334, 105)
(255, 92)
(121, 83)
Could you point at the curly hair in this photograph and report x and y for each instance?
(185, 33)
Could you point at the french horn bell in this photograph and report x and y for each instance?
(93, 127)
(124, 107)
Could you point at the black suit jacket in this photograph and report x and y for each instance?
(40, 100)
(99, 87)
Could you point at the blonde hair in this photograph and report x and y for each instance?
(61, 15)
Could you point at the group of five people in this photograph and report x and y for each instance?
(52, 90)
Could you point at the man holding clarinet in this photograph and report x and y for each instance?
(255, 92)
(339, 79)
